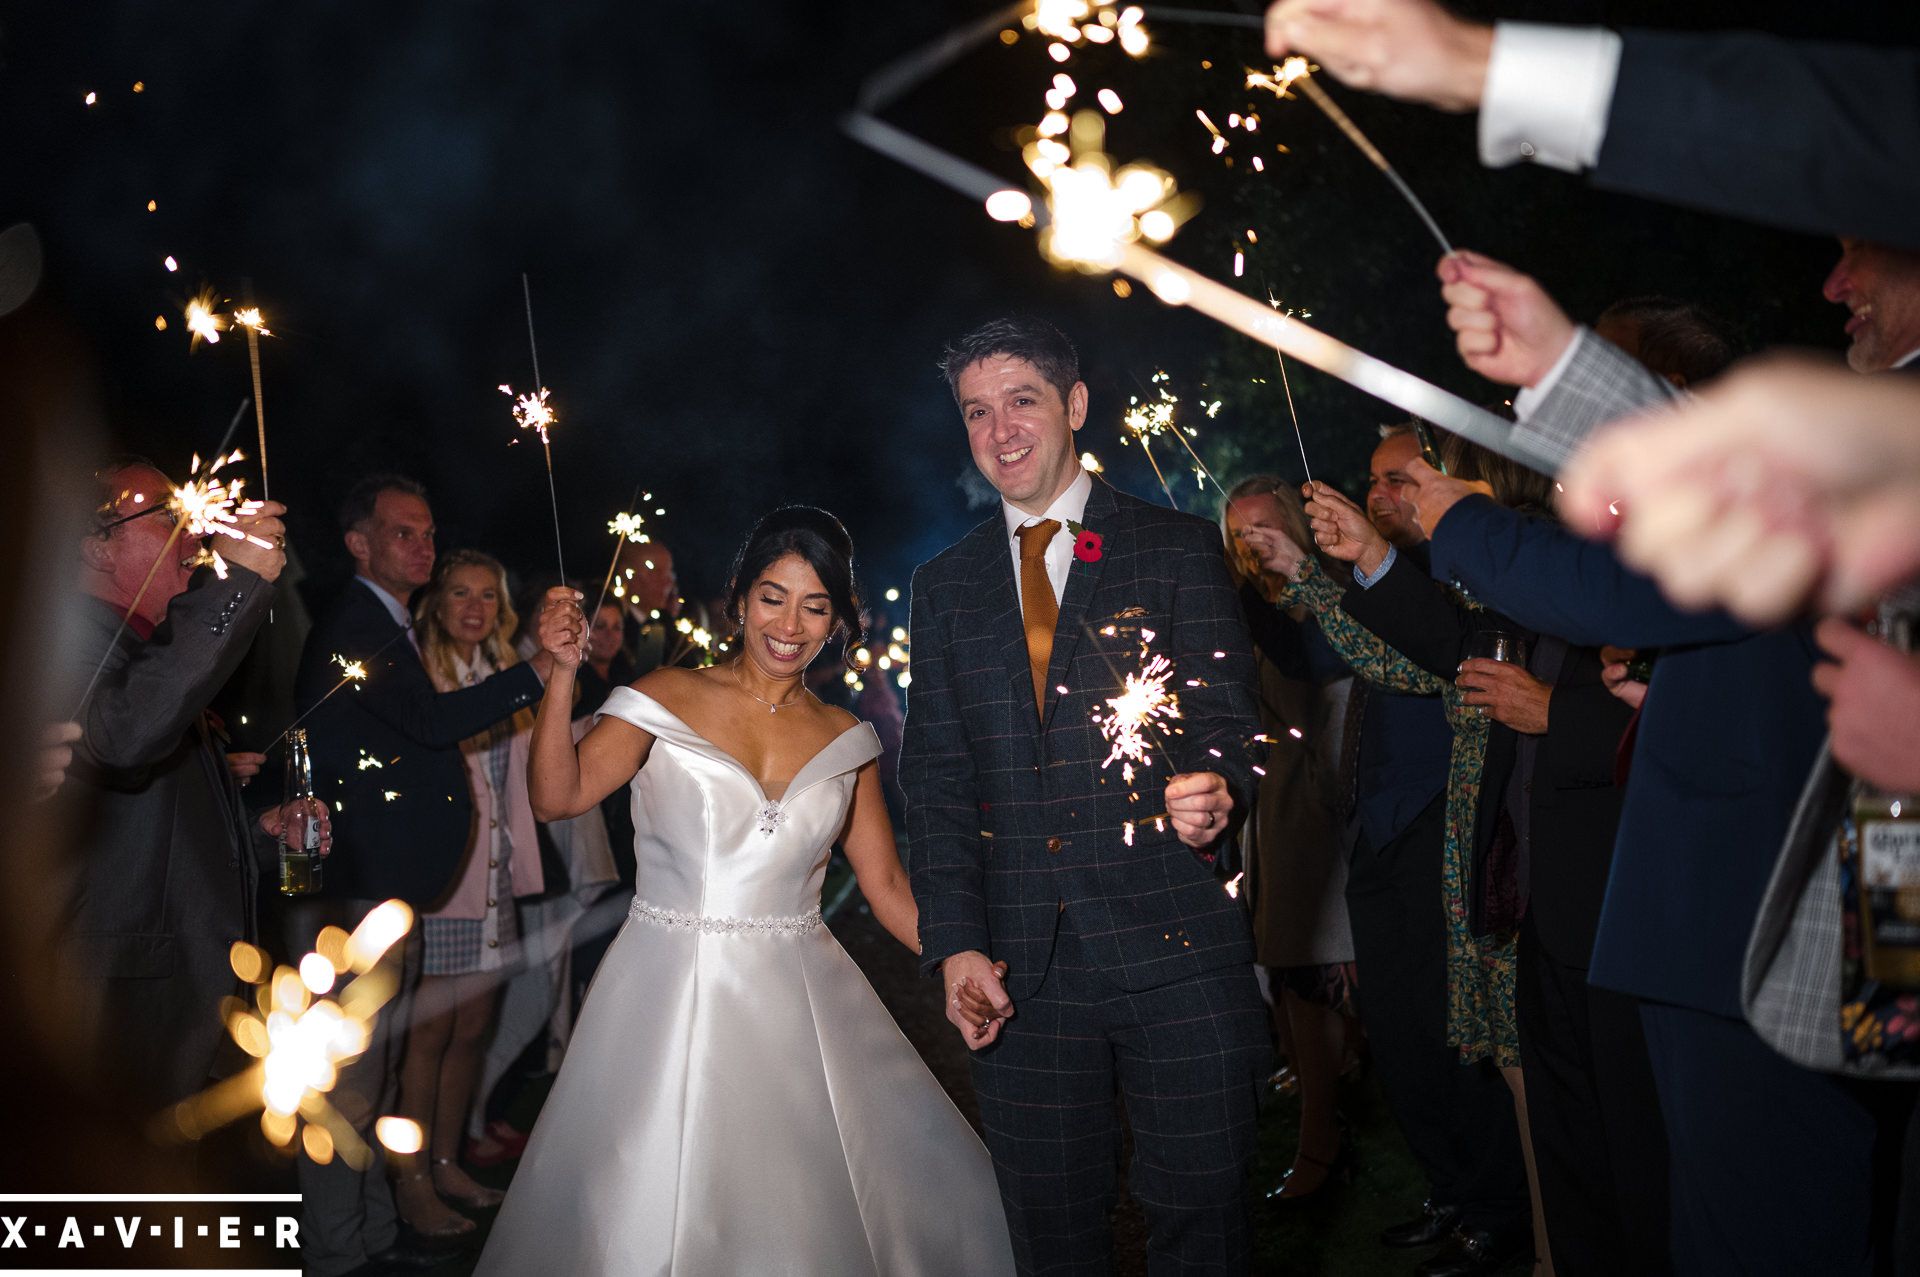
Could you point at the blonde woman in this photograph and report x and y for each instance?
(465, 622)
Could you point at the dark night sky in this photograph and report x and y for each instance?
(736, 306)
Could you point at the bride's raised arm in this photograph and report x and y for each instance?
(563, 780)
(868, 842)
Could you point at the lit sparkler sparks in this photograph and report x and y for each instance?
(532, 412)
(1296, 71)
(300, 1039)
(203, 321)
(350, 672)
(1094, 210)
(1095, 21)
(1143, 701)
(1157, 416)
(625, 527)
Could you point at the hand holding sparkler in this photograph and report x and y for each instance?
(1505, 325)
(1199, 804)
(1274, 550)
(563, 628)
(1342, 528)
(259, 539)
(1431, 494)
(1409, 49)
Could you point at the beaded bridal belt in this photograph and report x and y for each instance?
(641, 911)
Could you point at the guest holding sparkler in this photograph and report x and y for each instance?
(388, 752)
(164, 872)
(1296, 868)
(472, 939)
(1458, 1119)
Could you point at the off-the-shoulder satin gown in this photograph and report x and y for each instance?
(736, 1100)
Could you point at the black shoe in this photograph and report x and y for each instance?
(411, 1252)
(1471, 1252)
(1435, 1224)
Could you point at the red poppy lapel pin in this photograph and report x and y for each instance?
(1086, 542)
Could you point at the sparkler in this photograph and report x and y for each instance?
(533, 412)
(300, 1039)
(1295, 72)
(202, 506)
(203, 321)
(1114, 241)
(626, 527)
(256, 327)
(1157, 417)
(350, 672)
(1287, 388)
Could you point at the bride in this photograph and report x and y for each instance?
(735, 1098)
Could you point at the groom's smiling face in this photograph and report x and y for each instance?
(1020, 429)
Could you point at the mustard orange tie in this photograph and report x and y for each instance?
(1039, 610)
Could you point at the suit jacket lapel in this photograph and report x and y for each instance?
(1083, 578)
(993, 573)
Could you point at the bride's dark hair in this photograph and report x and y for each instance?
(817, 538)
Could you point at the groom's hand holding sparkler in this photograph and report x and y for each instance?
(1505, 325)
(1409, 49)
(263, 560)
(1198, 804)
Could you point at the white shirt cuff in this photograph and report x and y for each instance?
(1527, 402)
(1386, 565)
(1547, 93)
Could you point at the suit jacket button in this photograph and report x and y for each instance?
(1053, 844)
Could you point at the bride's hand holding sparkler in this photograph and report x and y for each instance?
(1198, 804)
(1409, 49)
(563, 628)
(1506, 327)
(267, 554)
(1342, 528)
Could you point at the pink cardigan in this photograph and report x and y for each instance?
(468, 899)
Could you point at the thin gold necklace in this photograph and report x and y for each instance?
(773, 707)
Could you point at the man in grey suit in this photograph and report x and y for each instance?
(1127, 968)
(164, 870)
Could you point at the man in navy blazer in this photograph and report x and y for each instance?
(1127, 966)
(386, 754)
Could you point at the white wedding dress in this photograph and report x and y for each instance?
(736, 1100)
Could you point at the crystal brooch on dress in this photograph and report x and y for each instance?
(772, 815)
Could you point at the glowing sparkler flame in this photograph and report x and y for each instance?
(627, 526)
(300, 1039)
(250, 318)
(1095, 210)
(1095, 21)
(1282, 78)
(350, 671)
(203, 321)
(532, 412)
(1143, 699)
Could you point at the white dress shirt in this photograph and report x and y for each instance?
(1068, 507)
(1547, 94)
(395, 608)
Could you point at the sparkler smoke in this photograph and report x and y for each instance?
(532, 412)
(1296, 73)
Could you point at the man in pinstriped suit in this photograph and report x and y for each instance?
(1126, 966)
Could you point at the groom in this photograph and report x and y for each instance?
(1127, 967)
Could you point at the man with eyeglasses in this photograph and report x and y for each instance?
(166, 859)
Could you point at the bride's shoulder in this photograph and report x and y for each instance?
(840, 719)
(677, 689)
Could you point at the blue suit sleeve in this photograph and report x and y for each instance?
(1554, 582)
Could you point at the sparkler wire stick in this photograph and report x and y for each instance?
(615, 565)
(892, 81)
(1298, 437)
(1146, 446)
(1179, 285)
(352, 672)
(559, 554)
(259, 406)
(1206, 17)
(1300, 77)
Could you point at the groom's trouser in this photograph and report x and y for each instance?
(1186, 1056)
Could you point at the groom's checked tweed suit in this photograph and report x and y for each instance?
(1127, 964)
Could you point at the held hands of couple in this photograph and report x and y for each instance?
(1408, 49)
(977, 1001)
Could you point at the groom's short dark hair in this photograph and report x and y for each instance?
(1017, 337)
